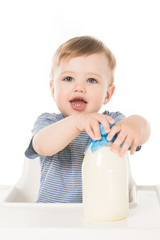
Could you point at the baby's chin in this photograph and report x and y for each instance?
(68, 112)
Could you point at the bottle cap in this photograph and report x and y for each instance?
(103, 141)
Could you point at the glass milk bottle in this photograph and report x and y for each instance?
(105, 185)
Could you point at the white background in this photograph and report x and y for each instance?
(30, 32)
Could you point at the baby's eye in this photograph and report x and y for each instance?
(92, 80)
(68, 79)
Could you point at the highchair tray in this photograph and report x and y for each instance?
(65, 221)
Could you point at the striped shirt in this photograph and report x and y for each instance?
(61, 178)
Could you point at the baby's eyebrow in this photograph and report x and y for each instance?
(96, 74)
(87, 73)
(67, 72)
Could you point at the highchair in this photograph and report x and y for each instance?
(27, 187)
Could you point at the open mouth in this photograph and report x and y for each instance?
(78, 103)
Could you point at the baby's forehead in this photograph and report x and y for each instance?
(93, 61)
(84, 56)
(90, 63)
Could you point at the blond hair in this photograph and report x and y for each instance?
(84, 45)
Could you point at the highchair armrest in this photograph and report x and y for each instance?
(26, 189)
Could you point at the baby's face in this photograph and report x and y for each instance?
(81, 84)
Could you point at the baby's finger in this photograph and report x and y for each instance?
(90, 132)
(115, 129)
(119, 140)
(109, 119)
(133, 149)
(96, 130)
(127, 143)
(105, 125)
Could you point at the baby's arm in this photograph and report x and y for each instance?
(132, 132)
(56, 136)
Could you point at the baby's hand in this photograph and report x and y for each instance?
(89, 122)
(129, 134)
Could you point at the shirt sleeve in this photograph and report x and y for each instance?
(118, 116)
(42, 121)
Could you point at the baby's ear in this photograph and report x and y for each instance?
(109, 93)
(52, 88)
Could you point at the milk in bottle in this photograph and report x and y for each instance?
(105, 185)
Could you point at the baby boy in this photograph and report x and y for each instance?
(82, 80)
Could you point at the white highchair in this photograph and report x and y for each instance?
(27, 187)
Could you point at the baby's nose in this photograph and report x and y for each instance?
(79, 87)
